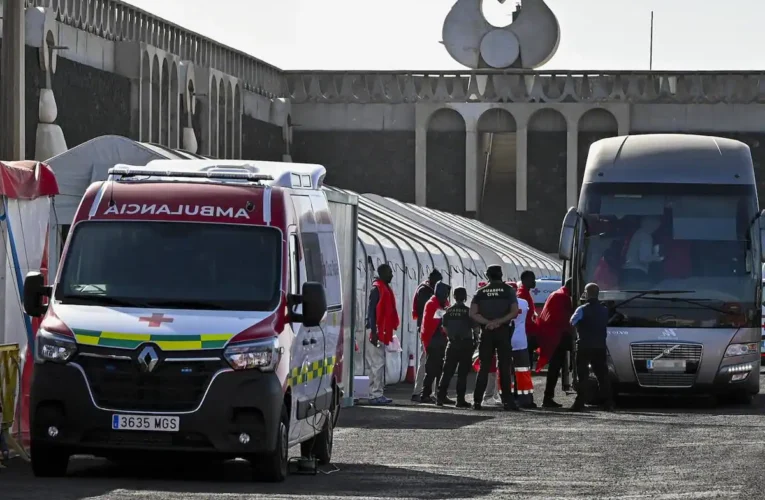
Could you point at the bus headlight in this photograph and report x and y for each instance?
(263, 355)
(52, 347)
(741, 350)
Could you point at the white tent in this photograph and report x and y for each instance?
(25, 192)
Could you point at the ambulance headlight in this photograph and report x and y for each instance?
(53, 347)
(263, 355)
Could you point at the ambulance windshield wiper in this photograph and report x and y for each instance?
(104, 300)
(187, 304)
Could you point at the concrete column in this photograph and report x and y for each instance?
(624, 126)
(471, 167)
(572, 160)
(420, 164)
(521, 165)
(12, 82)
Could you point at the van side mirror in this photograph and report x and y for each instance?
(34, 291)
(314, 302)
(567, 231)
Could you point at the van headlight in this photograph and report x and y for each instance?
(53, 347)
(263, 355)
(741, 349)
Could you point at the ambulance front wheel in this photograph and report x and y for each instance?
(273, 467)
(48, 461)
(320, 446)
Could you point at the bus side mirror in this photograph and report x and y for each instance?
(34, 292)
(567, 231)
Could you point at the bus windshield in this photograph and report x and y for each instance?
(694, 239)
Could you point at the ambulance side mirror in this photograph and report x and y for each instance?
(314, 302)
(34, 292)
(567, 233)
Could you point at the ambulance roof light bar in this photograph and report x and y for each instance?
(209, 174)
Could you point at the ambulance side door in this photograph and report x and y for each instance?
(310, 339)
(299, 350)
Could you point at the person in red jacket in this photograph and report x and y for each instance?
(382, 321)
(554, 337)
(422, 294)
(434, 340)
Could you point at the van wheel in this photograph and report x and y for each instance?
(320, 446)
(273, 467)
(48, 461)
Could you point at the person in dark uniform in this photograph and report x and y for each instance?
(460, 330)
(494, 307)
(591, 322)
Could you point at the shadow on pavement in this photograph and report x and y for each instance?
(91, 478)
(365, 417)
(690, 404)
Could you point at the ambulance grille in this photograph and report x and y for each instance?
(118, 384)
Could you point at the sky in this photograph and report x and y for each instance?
(405, 34)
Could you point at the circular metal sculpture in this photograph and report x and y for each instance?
(529, 42)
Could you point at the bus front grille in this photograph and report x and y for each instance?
(645, 356)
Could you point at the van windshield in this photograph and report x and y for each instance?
(174, 265)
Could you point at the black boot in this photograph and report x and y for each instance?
(550, 403)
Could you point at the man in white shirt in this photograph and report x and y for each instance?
(641, 253)
(524, 386)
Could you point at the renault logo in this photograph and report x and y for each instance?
(148, 359)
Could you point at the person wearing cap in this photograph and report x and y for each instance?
(591, 323)
(421, 296)
(434, 340)
(494, 307)
(463, 339)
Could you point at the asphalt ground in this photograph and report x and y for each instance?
(649, 448)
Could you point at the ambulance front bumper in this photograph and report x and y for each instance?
(66, 414)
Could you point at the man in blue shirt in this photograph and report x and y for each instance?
(591, 323)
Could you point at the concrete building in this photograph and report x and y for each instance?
(500, 141)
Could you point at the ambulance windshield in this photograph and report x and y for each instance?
(172, 265)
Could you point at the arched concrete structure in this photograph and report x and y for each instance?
(222, 112)
(595, 124)
(237, 138)
(546, 171)
(446, 161)
(163, 105)
(497, 169)
(145, 98)
(173, 107)
(156, 101)
(212, 138)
